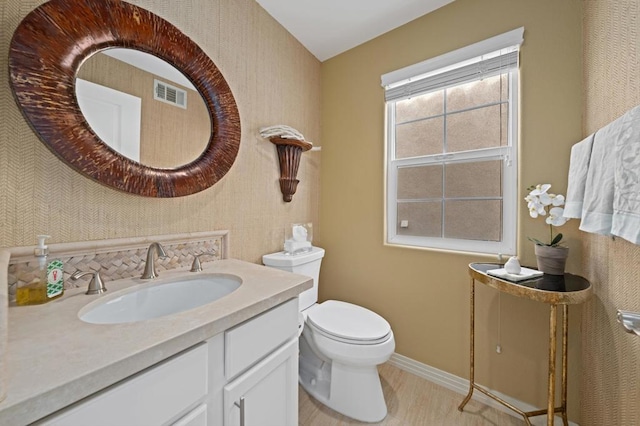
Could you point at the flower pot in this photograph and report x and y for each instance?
(551, 260)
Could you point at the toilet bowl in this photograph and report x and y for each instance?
(341, 345)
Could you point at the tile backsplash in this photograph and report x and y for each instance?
(117, 258)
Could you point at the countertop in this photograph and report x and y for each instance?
(54, 359)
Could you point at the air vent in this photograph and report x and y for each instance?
(170, 94)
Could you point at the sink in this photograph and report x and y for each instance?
(159, 299)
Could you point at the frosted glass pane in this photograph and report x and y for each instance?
(424, 219)
(477, 179)
(473, 219)
(420, 182)
(423, 137)
(476, 129)
(421, 106)
(477, 93)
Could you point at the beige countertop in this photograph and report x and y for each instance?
(54, 359)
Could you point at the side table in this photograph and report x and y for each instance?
(554, 290)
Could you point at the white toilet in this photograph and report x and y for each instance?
(340, 346)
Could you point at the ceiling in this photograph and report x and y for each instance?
(329, 27)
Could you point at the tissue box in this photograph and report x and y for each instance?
(298, 238)
(296, 247)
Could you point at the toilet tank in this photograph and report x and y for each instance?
(304, 264)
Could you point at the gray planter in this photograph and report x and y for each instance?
(551, 260)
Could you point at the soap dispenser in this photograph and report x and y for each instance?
(35, 291)
(47, 284)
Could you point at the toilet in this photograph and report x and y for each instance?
(341, 345)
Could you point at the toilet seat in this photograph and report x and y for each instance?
(348, 323)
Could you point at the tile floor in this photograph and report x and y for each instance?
(411, 401)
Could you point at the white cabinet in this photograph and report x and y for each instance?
(267, 394)
(255, 362)
(152, 397)
(196, 417)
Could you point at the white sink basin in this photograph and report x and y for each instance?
(155, 300)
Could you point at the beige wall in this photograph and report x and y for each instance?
(274, 81)
(424, 294)
(611, 379)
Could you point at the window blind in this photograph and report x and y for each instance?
(483, 59)
(474, 71)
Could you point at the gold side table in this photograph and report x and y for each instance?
(555, 290)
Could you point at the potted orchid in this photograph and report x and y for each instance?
(551, 256)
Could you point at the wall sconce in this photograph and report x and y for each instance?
(289, 151)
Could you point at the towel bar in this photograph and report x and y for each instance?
(630, 321)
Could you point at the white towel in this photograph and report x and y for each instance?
(612, 191)
(281, 130)
(597, 209)
(626, 200)
(578, 168)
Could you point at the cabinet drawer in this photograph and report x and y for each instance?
(250, 341)
(152, 397)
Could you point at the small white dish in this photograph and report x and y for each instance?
(525, 274)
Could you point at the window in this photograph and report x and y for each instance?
(452, 148)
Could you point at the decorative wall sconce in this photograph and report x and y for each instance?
(289, 151)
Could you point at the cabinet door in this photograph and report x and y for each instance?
(196, 417)
(267, 393)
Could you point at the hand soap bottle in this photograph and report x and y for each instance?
(48, 282)
(35, 291)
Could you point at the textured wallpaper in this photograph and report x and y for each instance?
(274, 81)
(611, 367)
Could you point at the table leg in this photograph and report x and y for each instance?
(565, 349)
(472, 345)
(552, 365)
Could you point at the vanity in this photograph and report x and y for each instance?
(229, 362)
(232, 361)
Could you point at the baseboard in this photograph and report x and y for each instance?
(461, 386)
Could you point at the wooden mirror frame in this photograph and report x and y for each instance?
(46, 52)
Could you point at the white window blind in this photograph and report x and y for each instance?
(456, 58)
(478, 68)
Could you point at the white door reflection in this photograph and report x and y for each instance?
(113, 115)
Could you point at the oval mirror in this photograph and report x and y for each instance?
(140, 106)
(47, 53)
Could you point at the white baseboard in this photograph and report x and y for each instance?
(461, 386)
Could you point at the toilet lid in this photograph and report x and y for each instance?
(348, 322)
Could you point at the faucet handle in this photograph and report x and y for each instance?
(96, 286)
(196, 266)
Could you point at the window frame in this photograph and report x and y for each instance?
(507, 154)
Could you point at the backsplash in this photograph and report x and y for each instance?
(117, 258)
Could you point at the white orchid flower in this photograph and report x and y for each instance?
(555, 217)
(540, 192)
(535, 206)
(545, 199)
(541, 203)
(540, 189)
(537, 210)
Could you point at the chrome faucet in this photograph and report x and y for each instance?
(150, 266)
(96, 285)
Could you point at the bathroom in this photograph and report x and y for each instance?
(578, 69)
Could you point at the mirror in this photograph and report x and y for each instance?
(139, 105)
(51, 47)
